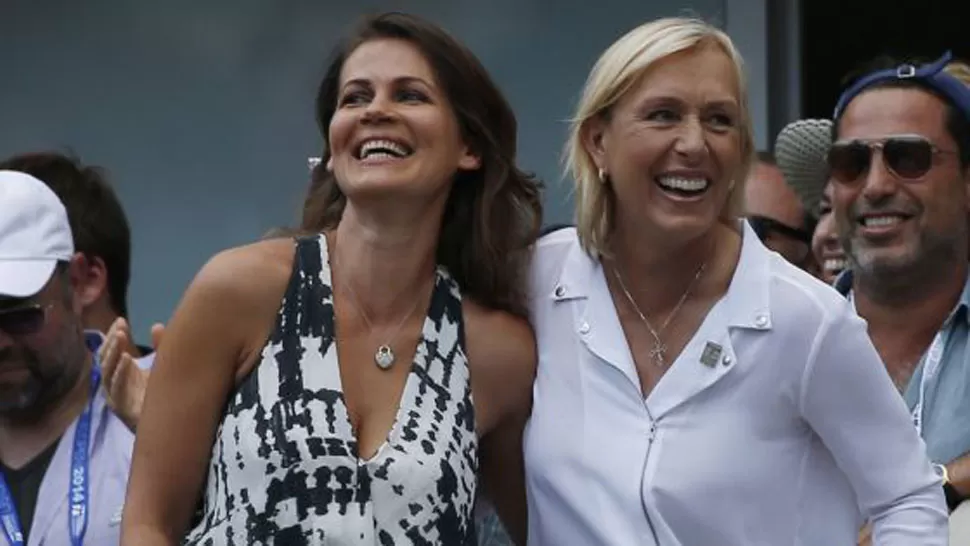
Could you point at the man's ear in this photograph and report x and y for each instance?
(89, 280)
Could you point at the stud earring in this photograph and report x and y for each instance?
(602, 175)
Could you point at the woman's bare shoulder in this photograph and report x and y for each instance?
(240, 290)
(501, 350)
(249, 270)
(500, 331)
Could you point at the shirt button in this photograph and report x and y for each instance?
(584, 328)
(727, 360)
(560, 291)
(761, 321)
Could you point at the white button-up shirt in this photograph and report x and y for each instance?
(777, 425)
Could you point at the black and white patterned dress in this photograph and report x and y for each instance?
(284, 466)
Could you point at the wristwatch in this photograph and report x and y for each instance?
(953, 497)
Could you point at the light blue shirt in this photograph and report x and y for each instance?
(946, 412)
(110, 462)
(946, 415)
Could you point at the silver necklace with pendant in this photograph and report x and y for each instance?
(384, 357)
(659, 352)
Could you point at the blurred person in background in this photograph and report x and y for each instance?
(825, 241)
(801, 148)
(102, 239)
(777, 215)
(64, 454)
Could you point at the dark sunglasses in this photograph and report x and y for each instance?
(907, 157)
(764, 226)
(23, 320)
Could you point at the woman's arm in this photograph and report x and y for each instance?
(850, 402)
(207, 345)
(502, 353)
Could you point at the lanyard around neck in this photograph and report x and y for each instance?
(78, 486)
(931, 366)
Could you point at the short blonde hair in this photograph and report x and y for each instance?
(615, 73)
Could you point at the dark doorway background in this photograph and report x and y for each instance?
(840, 35)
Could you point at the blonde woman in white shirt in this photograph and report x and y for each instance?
(694, 388)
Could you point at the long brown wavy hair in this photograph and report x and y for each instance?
(493, 214)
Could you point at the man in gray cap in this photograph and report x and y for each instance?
(802, 148)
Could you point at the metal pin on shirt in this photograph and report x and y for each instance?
(711, 354)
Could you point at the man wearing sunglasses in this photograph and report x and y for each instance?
(102, 234)
(64, 455)
(900, 171)
(775, 213)
(102, 240)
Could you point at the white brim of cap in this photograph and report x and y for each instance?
(24, 278)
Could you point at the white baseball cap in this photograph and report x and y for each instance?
(34, 234)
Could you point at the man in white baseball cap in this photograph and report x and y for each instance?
(34, 235)
(102, 243)
(64, 455)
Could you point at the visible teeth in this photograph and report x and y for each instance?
(834, 264)
(380, 155)
(683, 184)
(881, 221)
(386, 148)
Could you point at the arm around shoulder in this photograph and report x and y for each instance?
(206, 344)
(503, 356)
(850, 402)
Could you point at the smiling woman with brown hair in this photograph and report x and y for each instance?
(357, 410)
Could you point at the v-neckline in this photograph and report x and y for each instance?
(404, 400)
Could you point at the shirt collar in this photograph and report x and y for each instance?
(964, 304)
(843, 284)
(747, 297)
(93, 340)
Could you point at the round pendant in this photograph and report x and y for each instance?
(384, 357)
